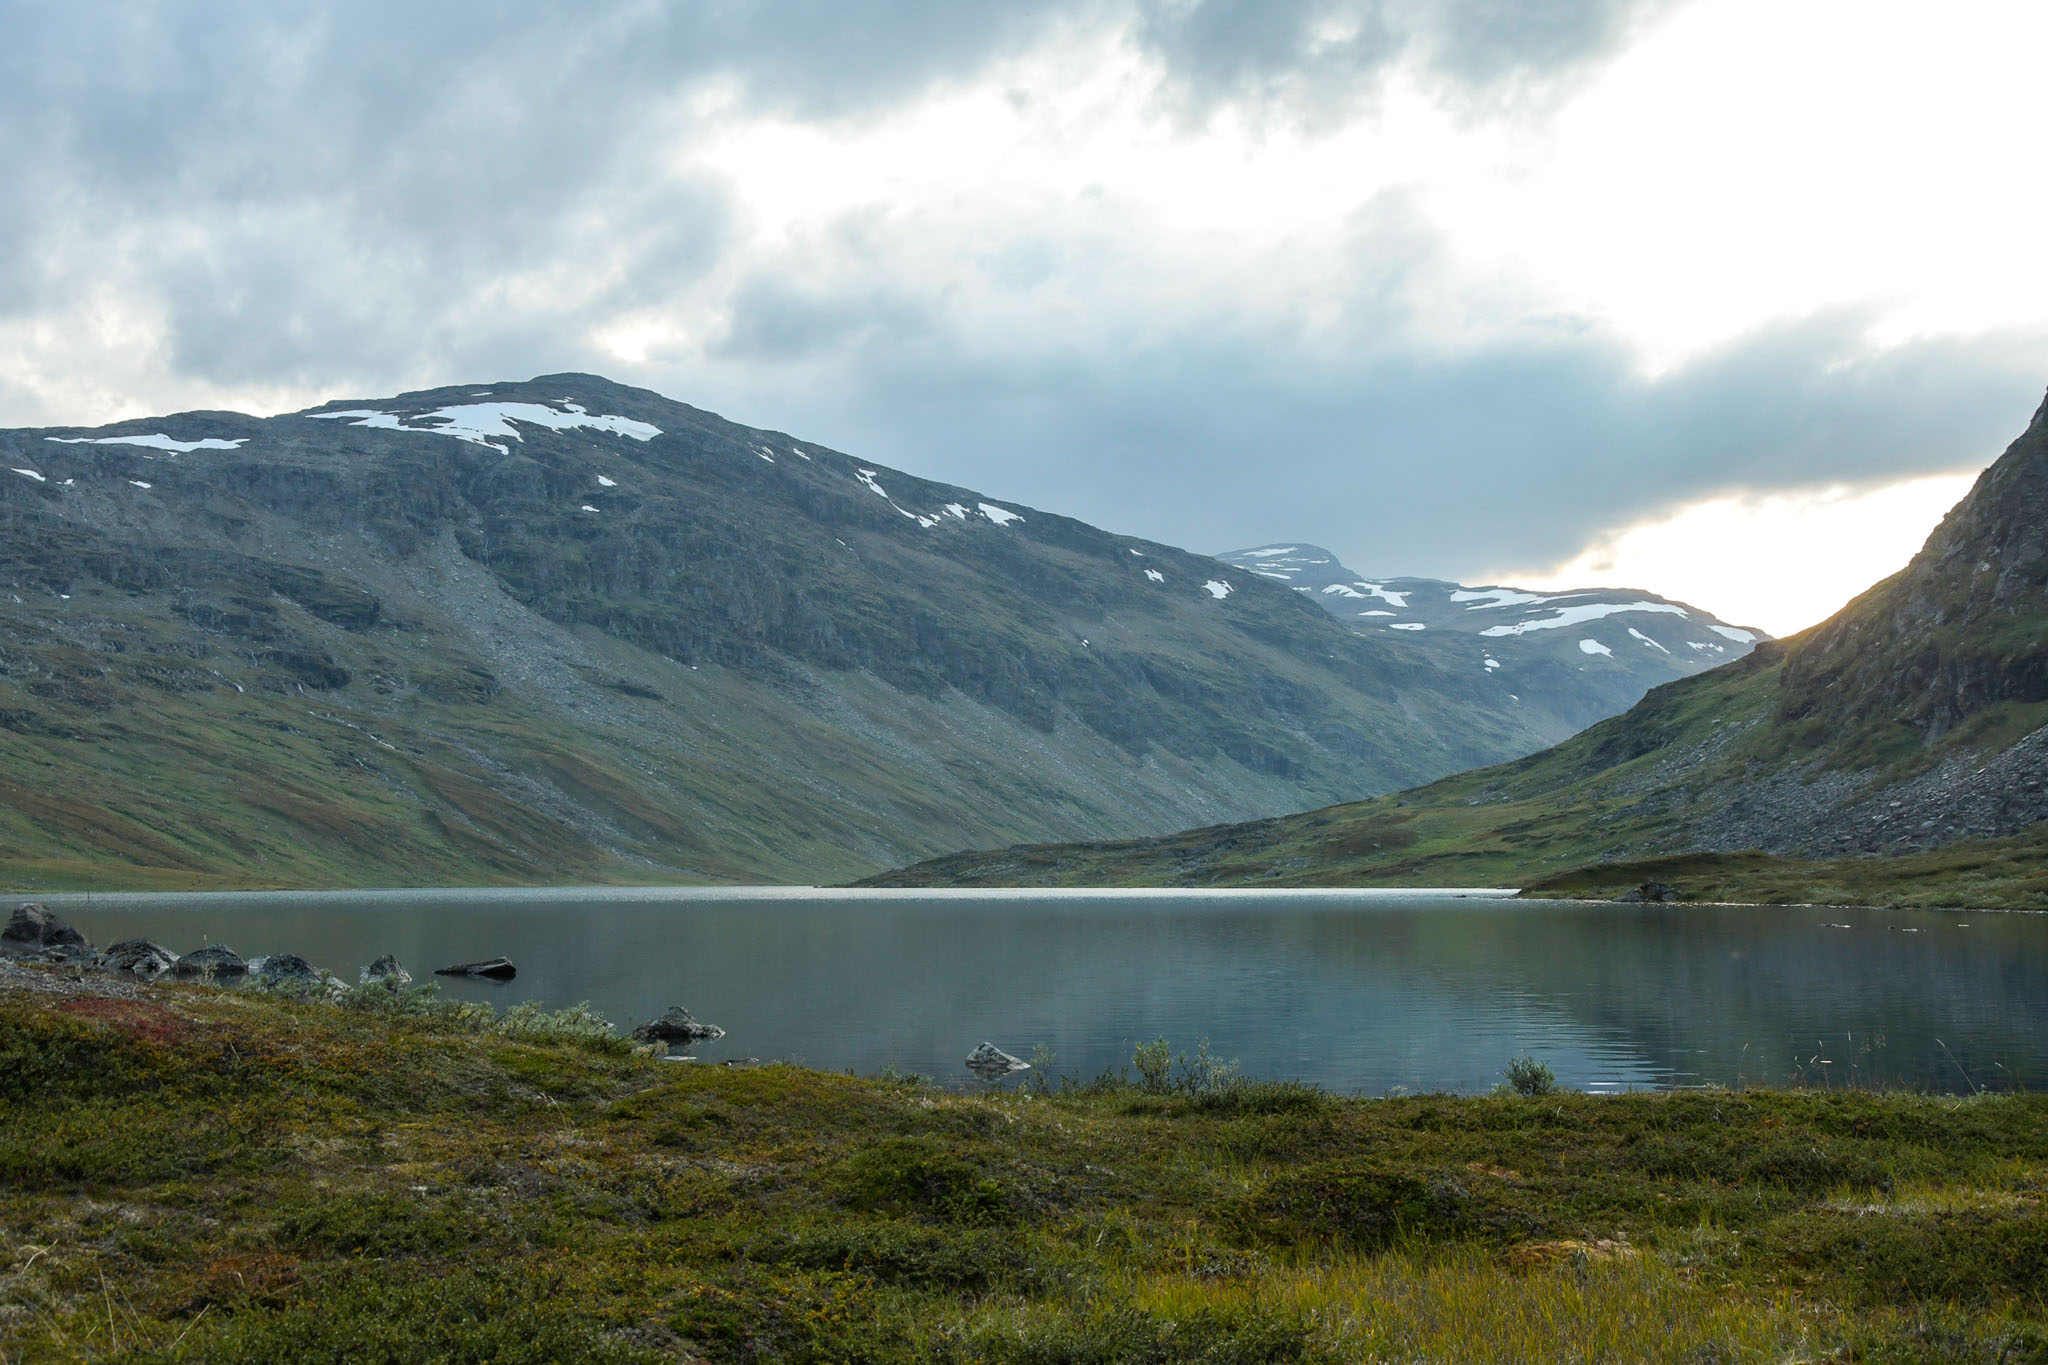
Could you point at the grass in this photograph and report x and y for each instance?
(191, 1174)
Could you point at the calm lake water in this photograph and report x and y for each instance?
(1360, 991)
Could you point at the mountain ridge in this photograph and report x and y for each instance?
(1902, 743)
(565, 629)
(1587, 653)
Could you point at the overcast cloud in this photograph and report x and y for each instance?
(1407, 279)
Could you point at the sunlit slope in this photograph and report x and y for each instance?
(1895, 752)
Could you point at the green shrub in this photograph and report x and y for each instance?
(1530, 1077)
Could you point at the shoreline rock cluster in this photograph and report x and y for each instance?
(35, 934)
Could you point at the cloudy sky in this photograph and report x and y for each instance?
(1723, 298)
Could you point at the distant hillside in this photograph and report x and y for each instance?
(1586, 654)
(1896, 752)
(565, 630)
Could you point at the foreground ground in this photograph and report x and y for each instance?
(195, 1174)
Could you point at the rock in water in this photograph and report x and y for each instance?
(32, 928)
(991, 1063)
(386, 970)
(139, 957)
(677, 1025)
(496, 969)
(213, 963)
(279, 967)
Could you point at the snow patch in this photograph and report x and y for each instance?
(1492, 664)
(1001, 516)
(1155, 575)
(765, 453)
(1407, 625)
(867, 477)
(155, 441)
(31, 474)
(1343, 591)
(1392, 599)
(1218, 588)
(1270, 552)
(138, 483)
(1646, 639)
(1581, 613)
(1735, 633)
(478, 423)
(1495, 597)
(603, 482)
(1375, 613)
(1594, 647)
(586, 508)
(955, 510)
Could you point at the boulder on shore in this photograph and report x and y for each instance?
(273, 968)
(1649, 893)
(32, 927)
(139, 957)
(212, 963)
(494, 969)
(676, 1025)
(991, 1063)
(385, 971)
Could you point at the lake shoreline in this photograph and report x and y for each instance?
(194, 1174)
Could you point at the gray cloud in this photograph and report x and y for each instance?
(366, 198)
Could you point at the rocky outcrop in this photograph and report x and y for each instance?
(32, 928)
(677, 1025)
(139, 957)
(211, 963)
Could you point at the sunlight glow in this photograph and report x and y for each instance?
(1782, 561)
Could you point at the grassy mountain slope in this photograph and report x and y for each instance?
(1893, 753)
(417, 640)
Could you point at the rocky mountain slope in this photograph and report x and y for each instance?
(567, 630)
(1588, 653)
(1900, 742)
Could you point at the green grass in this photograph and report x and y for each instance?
(190, 1174)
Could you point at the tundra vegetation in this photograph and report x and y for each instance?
(191, 1173)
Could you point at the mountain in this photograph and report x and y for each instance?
(1585, 654)
(1896, 752)
(568, 630)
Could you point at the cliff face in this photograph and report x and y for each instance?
(567, 629)
(1961, 629)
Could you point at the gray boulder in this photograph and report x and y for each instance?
(273, 969)
(676, 1025)
(32, 927)
(139, 957)
(385, 971)
(493, 968)
(1649, 893)
(991, 1063)
(211, 963)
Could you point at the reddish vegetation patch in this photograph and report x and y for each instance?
(137, 1018)
(264, 1277)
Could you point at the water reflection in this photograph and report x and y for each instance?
(1361, 992)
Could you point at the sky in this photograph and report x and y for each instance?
(1723, 299)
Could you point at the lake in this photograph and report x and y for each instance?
(1359, 991)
